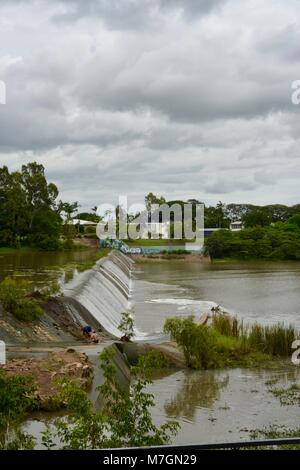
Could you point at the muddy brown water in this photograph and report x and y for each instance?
(217, 406)
(41, 267)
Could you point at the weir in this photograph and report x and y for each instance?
(105, 291)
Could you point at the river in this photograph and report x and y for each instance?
(40, 267)
(210, 406)
(225, 405)
(256, 292)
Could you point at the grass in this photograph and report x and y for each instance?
(274, 340)
(227, 343)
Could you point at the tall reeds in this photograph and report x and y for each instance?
(275, 340)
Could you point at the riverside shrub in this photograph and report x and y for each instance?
(14, 298)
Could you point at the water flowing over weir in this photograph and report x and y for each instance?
(105, 291)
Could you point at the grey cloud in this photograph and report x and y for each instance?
(284, 42)
(127, 14)
(153, 96)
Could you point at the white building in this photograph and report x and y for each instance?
(236, 226)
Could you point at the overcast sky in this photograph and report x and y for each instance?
(185, 98)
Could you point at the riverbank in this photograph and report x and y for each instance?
(46, 371)
(185, 257)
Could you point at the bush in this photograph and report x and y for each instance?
(14, 298)
(281, 241)
(11, 292)
(197, 341)
(90, 229)
(16, 400)
(28, 310)
(227, 343)
(153, 360)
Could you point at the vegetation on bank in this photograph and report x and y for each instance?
(14, 299)
(123, 421)
(228, 343)
(30, 212)
(280, 241)
(18, 298)
(16, 400)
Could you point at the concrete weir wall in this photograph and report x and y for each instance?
(104, 291)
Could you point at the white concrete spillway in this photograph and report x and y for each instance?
(105, 291)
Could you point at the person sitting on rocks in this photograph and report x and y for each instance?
(94, 337)
(86, 331)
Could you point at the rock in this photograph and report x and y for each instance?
(87, 371)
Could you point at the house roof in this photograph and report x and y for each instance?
(82, 222)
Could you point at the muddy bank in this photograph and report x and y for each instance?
(59, 325)
(45, 371)
(87, 242)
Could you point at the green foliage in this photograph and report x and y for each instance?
(228, 343)
(16, 400)
(216, 217)
(14, 298)
(28, 211)
(93, 217)
(124, 421)
(126, 326)
(281, 241)
(197, 341)
(28, 310)
(275, 340)
(225, 324)
(90, 229)
(152, 360)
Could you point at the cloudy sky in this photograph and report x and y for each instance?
(185, 98)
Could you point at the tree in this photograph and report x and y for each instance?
(152, 199)
(39, 194)
(69, 209)
(28, 210)
(259, 216)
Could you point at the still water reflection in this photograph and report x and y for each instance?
(41, 267)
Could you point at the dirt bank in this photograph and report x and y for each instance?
(88, 242)
(69, 364)
(60, 325)
(188, 258)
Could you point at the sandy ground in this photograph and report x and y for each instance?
(45, 370)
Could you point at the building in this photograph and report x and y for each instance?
(236, 226)
(81, 225)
